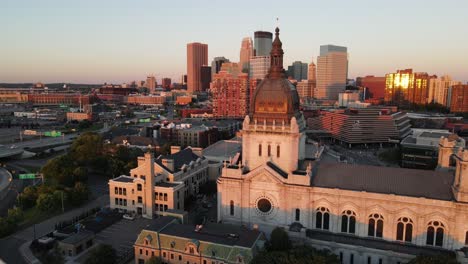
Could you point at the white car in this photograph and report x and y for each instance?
(128, 217)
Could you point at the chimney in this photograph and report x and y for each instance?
(168, 163)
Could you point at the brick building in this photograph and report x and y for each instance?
(459, 98)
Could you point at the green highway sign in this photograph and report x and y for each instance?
(53, 134)
(144, 120)
(27, 176)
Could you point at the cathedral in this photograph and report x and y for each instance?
(363, 214)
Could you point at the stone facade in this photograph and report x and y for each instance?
(364, 214)
(157, 185)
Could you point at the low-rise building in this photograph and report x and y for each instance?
(79, 116)
(363, 125)
(172, 242)
(157, 185)
(76, 243)
(420, 150)
(145, 100)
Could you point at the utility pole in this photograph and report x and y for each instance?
(63, 208)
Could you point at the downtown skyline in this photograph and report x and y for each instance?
(89, 42)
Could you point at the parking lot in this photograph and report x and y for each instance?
(122, 234)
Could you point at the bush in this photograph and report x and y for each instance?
(279, 240)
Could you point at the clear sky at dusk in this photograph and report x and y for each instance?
(96, 41)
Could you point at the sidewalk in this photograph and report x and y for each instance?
(48, 226)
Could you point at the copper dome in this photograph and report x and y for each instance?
(275, 97)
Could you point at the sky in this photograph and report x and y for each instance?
(115, 41)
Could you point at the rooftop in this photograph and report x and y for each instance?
(385, 180)
(123, 178)
(215, 233)
(223, 149)
(78, 237)
(180, 158)
(404, 248)
(167, 184)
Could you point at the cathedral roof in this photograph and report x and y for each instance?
(385, 180)
(275, 98)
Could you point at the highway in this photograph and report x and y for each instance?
(5, 181)
(17, 148)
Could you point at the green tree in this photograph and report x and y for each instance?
(28, 197)
(103, 254)
(86, 147)
(15, 215)
(299, 255)
(80, 173)
(6, 227)
(79, 194)
(437, 259)
(48, 202)
(279, 240)
(60, 170)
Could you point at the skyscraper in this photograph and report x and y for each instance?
(166, 83)
(197, 56)
(405, 87)
(298, 71)
(262, 43)
(246, 53)
(259, 67)
(312, 75)
(216, 65)
(332, 72)
(439, 89)
(205, 77)
(459, 98)
(151, 83)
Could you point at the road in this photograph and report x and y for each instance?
(9, 246)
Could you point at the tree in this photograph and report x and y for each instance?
(437, 259)
(28, 197)
(300, 255)
(48, 202)
(86, 147)
(80, 173)
(60, 170)
(79, 194)
(279, 240)
(102, 254)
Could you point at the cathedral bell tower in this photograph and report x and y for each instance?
(274, 129)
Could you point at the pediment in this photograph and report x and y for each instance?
(265, 175)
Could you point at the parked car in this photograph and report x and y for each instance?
(129, 217)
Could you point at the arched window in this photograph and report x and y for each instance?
(269, 150)
(435, 234)
(231, 207)
(348, 222)
(259, 150)
(298, 214)
(278, 151)
(375, 225)
(404, 229)
(466, 238)
(322, 220)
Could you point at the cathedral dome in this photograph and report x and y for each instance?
(275, 98)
